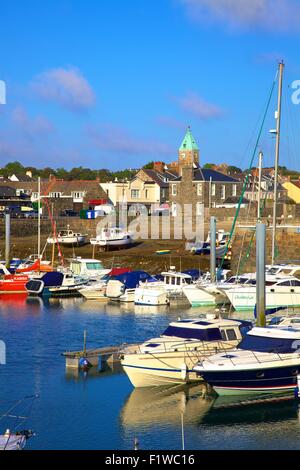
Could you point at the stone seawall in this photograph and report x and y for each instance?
(244, 251)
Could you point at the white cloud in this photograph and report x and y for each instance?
(67, 87)
(272, 15)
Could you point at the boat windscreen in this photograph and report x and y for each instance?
(208, 334)
(268, 345)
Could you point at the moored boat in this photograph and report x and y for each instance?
(112, 237)
(170, 358)
(266, 360)
(68, 238)
(122, 287)
(280, 292)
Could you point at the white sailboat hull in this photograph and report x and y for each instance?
(198, 296)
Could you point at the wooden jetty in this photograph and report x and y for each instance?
(95, 357)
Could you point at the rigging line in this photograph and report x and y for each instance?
(247, 221)
(247, 176)
(293, 127)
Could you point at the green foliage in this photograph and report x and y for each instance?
(234, 169)
(149, 166)
(76, 173)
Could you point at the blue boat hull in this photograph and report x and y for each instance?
(238, 382)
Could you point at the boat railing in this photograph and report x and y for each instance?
(256, 357)
(195, 346)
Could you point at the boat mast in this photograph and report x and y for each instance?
(39, 218)
(260, 157)
(278, 119)
(261, 274)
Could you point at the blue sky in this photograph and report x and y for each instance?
(114, 84)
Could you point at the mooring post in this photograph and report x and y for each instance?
(7, 239)
(261, 274)
(213, 226)
(84, 342)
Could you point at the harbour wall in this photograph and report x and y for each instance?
(244, 249)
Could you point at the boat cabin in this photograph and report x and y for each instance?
(87, 267)
(173, 279)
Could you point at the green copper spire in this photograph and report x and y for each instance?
(189, 142)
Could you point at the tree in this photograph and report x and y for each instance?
(148, 166)
(14, 168)
(234, 169)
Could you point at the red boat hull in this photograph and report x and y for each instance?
(13, 284)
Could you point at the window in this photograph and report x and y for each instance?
(199, 207)
(19, 192)
(234, 190)
(223, 335)
(223, 191)
(199, 189)
(208, 334)
(55, 195)
(213, 189)
(94, 266)
(135, 193)
(231, 335)
(77, 195)
(146, 193)
(35, 195)
(174, 190)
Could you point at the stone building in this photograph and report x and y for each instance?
(149, 187)
(60, 194)
(198, 186)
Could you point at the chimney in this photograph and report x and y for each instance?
(159, 166)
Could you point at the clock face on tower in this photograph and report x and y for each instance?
(183, 156)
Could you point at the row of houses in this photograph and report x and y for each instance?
(181, 182)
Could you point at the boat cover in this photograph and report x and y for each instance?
(132, 279)
(12, 442)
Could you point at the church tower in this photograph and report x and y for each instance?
(188, 152)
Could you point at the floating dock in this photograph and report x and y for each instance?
(95, 357)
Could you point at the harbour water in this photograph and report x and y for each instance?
(101, 410)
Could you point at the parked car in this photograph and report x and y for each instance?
(68, 213)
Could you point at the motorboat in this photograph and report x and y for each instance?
(94, 291)
(203, 248)
(266, 360)
(30, 264)
(96, 288)
(113, 237)
(171, 357)
(205, 293)
(91, 269)
(123, 287)
(159, 290)
(16, 283)
(283, 270)
(68, 237)
(281, 291)
(55, 283)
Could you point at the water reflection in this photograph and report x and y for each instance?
(236, 410)
(150, 407)
(93, 373)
